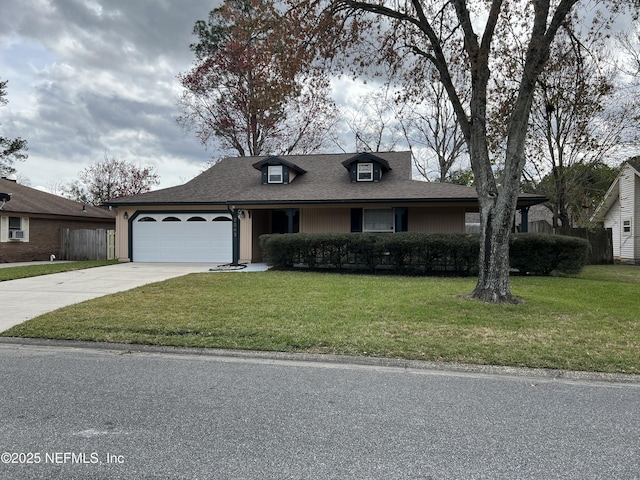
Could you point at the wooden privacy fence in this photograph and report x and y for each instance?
(600, 240)
(87, 244)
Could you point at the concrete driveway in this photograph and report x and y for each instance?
(27, 298)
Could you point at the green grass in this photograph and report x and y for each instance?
(14, 273)
(588, 322)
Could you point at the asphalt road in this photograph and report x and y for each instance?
(80, 413)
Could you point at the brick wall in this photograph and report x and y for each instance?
(44, 240)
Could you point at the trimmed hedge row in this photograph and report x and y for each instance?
(542, 254)
(417, 253)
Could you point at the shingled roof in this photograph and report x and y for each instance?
(30, 201)
(635, 163)
(235, 181)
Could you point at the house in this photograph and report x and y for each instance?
(537, 219)
(31, 222)
(620, 211)
(220, 215)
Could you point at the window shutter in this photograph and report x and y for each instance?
(265, 174)
(376, 172)
(353, 171)
(4, 229)
(401, 219)
(25, 228)
(285, 174)
(356, 220)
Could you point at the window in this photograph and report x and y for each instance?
(18, 228)
(377, 220)
(366, 167)
(365, 172)
(277, 170)
(15, 223)
(275, 174)
(171, 219)
(196, 219)
(626, 226)
(147, 219)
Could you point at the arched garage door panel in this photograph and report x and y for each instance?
(187, 239)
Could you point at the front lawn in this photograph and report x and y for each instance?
(25, 271)
(589, 322)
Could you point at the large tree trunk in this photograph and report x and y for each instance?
(493, 277)
(497, 203)
(497, 198)
(497, 209)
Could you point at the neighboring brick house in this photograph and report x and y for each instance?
(31, 222)
(220, 215)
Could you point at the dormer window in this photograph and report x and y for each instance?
(275, 174)
(366, 167)
(277, 170)
(365, 172)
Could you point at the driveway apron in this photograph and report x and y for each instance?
(27, 298)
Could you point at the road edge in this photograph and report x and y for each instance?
(344, 360)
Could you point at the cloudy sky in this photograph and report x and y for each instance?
(90, 75)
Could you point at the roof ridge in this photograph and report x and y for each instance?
(29, 200)
(349, 154)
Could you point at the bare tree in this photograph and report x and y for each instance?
(56, 187)
(109, 179)
(432, 131)
(374, 124)
(479, 35)
(629, 44)
(585, 187)
(579, 117)
(11, 149)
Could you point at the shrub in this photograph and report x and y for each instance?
(418, 253)
(401, 252)
(541, 254)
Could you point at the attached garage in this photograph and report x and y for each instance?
(182, 237)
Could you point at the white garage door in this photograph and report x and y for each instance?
(182, 237)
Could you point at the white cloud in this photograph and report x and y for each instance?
(85, 75)
(90, 75)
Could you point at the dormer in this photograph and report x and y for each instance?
(366, 167)
(277, 170)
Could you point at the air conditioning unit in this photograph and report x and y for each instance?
(16, 234)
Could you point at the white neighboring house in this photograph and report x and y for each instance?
(620, 211)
